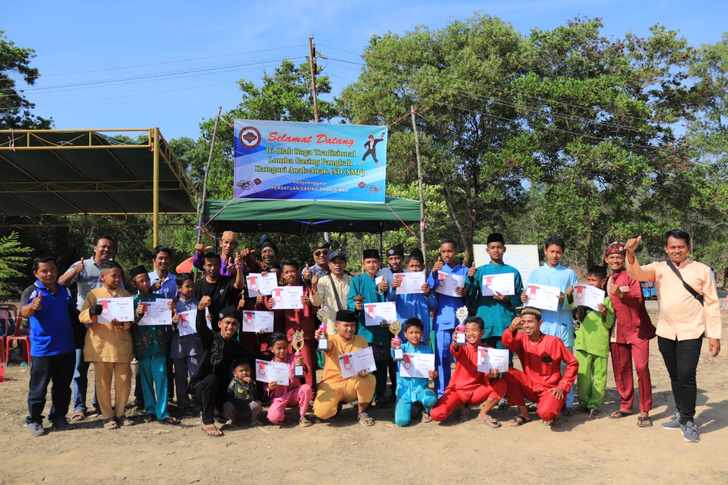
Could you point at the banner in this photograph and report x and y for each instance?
(290, 160)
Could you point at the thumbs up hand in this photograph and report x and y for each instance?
(471, 270)
(37, 303)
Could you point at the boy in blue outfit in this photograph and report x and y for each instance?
(415, 305)
(412, 390)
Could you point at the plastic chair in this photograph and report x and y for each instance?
(10, 314)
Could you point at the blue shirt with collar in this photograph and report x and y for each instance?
(168, 288)
(51, 330)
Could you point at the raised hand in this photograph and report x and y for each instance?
(632, 243)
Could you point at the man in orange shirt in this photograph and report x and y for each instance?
(689, 310)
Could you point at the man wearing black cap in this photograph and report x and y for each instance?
(320, 252)
(335, 389)
(367, 287)
(541, 356)
(395, 255)
(220, 353)
(330, 292)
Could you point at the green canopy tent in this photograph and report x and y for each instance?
(306, 216)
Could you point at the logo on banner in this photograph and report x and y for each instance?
(250, 137)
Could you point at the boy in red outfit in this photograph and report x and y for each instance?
(541, 357)
(302, 319)
(468, 386)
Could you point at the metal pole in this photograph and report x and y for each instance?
(312, 64)
(155, 189)
(419, 182)
(201, 204)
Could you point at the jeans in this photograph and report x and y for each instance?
(79, 384)
(55, 369)
(681, 359)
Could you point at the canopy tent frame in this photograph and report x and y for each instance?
(19, 145)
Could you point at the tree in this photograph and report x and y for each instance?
(13, 258)
(15, 109)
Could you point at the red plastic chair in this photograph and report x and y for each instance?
(9, 313)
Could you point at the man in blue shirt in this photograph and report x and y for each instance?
(164, 282)
(553, 273)
(447, 304)
(48, 306)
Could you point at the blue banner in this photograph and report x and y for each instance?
(290, 160)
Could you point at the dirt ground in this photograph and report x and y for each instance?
(574, 451)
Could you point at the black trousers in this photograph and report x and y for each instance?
(210, 395)
(384, 363)
(58, 370)
(681, 359)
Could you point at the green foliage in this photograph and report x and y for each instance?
(15, 109)
(14, 257)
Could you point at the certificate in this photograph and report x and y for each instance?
(449, 284)
(120, 309)
(411, 282)
(490, 358)
(417, 365)
(543, 297)
(259, 284)
(287, 297)
(379, 313)
(269, 371)
(502, 284)
(187, 322)
(158, 312)
(257, 321)
(353, 363)
(588, 295)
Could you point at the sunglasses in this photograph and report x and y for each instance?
(321, 252)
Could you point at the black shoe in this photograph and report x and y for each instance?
(60, 425)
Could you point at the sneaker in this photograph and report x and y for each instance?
(36, 429)
(690, 432)
(60, 425)
(674, 422)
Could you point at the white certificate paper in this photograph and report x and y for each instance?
(503, 284)
(379, 313)
(120, 309)
(543, 297)
(258, 284)
(287, 298)
(449, 284)
(588, 295)
(187, 322)
(353, 363)
(257, 321)
(417, 365)
(411, 282)
(158, 312)
(269, 371)
(490, 358)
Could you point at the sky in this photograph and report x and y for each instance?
(140, 64)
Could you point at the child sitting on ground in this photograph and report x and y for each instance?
(412, 390)
(294, 394)
(468, 386)
(242, 404)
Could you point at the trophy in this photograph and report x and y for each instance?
(297, 343)
(323, 342)
(394, 327)
(461, 314)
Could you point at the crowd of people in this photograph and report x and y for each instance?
(213, 368)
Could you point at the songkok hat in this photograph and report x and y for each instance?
(229, 311)
(346, 316)
(370, 253)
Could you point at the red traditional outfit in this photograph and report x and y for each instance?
(541, 361)
(467, 386)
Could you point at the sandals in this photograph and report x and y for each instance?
(111, 424)
(304, 422)
(212, 430)
(644, 421)
(365, 420)
(170, 420)
(520, 420)
(489, 420)
(619, 414)
(77, 416)
(426, 418)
